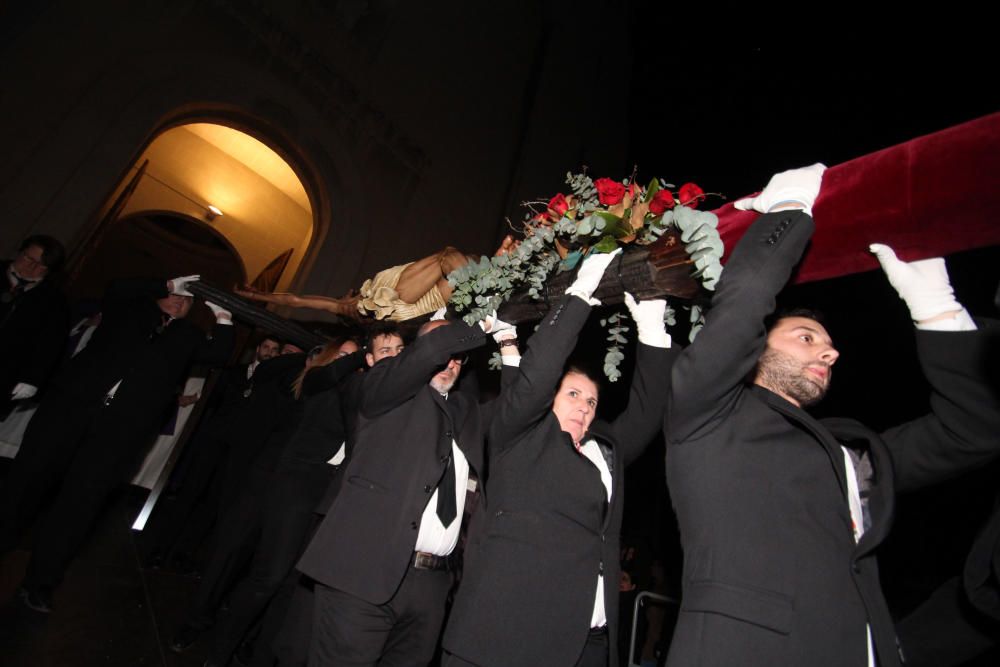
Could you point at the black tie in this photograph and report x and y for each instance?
(446, 509)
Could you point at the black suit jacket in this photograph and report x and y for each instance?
(400, 451)
(133, 346)
(532, 565)
(772, 574)
(33, 329)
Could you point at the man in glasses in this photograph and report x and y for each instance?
(34, 319)
(383, 557)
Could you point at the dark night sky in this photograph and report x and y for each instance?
(727, 118)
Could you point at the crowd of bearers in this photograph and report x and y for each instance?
(214, 461)
(360, 481)
(269, 522)
(96, 420)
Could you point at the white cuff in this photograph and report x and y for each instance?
(583, 295)
(960, 322)
(655, 338)
(510, 360)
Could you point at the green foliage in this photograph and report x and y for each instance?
(481, 287)
(616, 329)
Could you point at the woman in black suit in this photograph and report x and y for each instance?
(541, 577)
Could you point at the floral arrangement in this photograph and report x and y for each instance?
(595, 217)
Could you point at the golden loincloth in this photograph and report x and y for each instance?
(379, 298)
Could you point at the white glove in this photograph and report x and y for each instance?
(499, 329)
(795, 185)
(923, 285)
(222, 316)
(648, 317)
(589, 276)
(180, 284)
(22, 391)
(439, 314)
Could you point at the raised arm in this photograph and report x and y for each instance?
(323, 378)
(961, 363)
(643, 416)
(709, 375)
(123, 291)
(393, 381)
(962, 430)
(527, 398)
(218, 346)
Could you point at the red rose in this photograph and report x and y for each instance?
(690, 194)
(558, 206)
(660, 202)
(632, 189)
(609, 192)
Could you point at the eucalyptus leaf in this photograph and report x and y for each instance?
(605, 245)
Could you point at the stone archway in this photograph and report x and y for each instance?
(226, 180)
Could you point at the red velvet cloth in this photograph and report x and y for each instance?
(928, 197)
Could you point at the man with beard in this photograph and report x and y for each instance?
(384, 555)
(780, 514)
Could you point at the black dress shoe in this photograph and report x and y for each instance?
(184, 638)
(36, 599)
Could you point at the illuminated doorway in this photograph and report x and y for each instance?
(213, 175)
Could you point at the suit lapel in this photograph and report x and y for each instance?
(806, 421)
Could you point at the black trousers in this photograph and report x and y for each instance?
(77, 455)
(236, 535)
(180, 524)
(286, 632)
(288, 520)
(595, 653)
(351, 632)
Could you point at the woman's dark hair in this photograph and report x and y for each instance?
(583, 369)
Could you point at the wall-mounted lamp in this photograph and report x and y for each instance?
(212, 213)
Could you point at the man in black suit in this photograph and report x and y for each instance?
(34, 319)
(382, 555)
(780, 514)
(97, 420)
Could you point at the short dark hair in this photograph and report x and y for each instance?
(380, 329)
(53, 252)
(584, 369)
(798, 311)
(268, 336)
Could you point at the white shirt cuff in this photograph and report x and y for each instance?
(961, 322)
